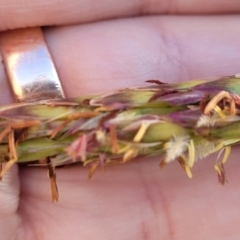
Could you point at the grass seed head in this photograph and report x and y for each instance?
(184, 122)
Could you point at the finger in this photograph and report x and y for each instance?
(93, 57)
(105, 56)
(20, 14)
(9, 203)
(136, 200)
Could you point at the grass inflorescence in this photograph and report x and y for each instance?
(181, 122)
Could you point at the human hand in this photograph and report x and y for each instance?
(135, 200)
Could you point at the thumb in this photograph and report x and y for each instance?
(9, 202)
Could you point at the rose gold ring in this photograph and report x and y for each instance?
(29, 65)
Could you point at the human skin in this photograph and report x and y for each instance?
(134, 200)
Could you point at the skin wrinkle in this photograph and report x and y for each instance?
(172, 51)
(26, 228)
(176, 49)
(173, 7)
(145, 228)
(143, 6)
(170, 6)
(31, 231)
(181, 64)
(158, 205)
(169, 215)
(25, 231)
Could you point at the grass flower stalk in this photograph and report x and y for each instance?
(181, 122)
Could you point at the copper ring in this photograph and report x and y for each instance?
(29, 65)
